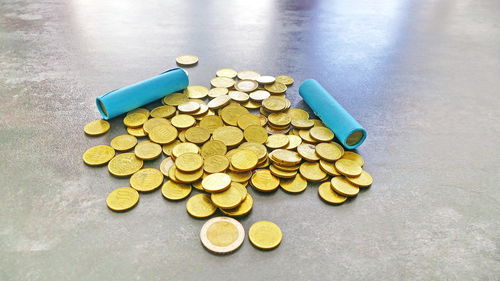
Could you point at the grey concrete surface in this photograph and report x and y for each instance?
(423, 77)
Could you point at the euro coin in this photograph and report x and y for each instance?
(363, 180)
(146, 180)
(276, 88)
(188, 177)
(226, 72)
(147, 150)
(228, 198)
(243, 209)
(231, 113)
(248, 119)
(265, 235)
(163, 134)
(98, 155)
(217, 182)
(187, 60)
(222, 235)
(200, 206)
(287, 80)
(277, 141)
(217, 92)
(328, 167)
(185, 147)
(298, 114)
(248, 75)
(239, 177)
(326, 193)
(210, 123)
(153, 122)
(282, 174)
(139, 110)
(215, 164)
(259, 95)
(293, 142)
(266, 79)
(175, 191)
(197, 135)
(213, 147)
(136, 132)
(311, 171)
(263, 180)
(189, 107)
(246, 86)
(321, 134)
(183, 121)
(285, 157)
(329, 151)
(238, 96)
(244, 160)
(123, 142)
(222, 82)
(259, 149)
(167, 148)
(219, 102)
(229, 135)
(96, 127)
(343, 187)
(122, 199)
(164, 111)
(349, 155)
(135, 120)
(255, 133)
(124, 164)
(189, 162)
(302, 123)
(304, 134)
(348, 167)
(176, 99)
(279, 119)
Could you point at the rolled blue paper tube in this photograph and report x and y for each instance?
(131, 97)
(347, 130)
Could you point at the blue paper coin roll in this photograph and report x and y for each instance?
(131, 97)
(347, 130)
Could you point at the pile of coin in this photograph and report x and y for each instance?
(218, 141)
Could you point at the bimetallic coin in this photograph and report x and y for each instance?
(96, 127)
(348, 167)
(124, 164)
(175, 191)
(146, 180)
(98, 155)
(265, 235)
(123, 142)
(187, 60)
(222, 235)
(226, 72)
(363, 180)
(200, 206)
(343, 187)
(246, 86)
(326, 193)
(217, 182)
(147, 150)
(122, 199)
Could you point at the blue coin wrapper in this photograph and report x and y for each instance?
(131, 97)
(347, 130)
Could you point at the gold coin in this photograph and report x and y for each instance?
(124, 164)
(217, 182)
(217, 92)
(326, 193)
(328, 167)
(302, 123)
(239, 96)
(363, 180)
(226, 72)
(147, 150)
(203, 111)
(349, 155)
(318, 123)
(255, 133)
(139, 110)
(122, 199)
(176, 99)
(98, 155)
(188, 177)
(222, 82)
(304, 134)
(229, 198)
(195, 92)
(219, 102)
(164, 111)
(244, 160)
(222, 235)
(189, 107)
(153, 122)
(265, 80)
(197, 185)
(294, 142)
(136, 132)
(282, 174)
(187, 60)
(246, 86)
(274, 104)
(96, 127)
(248, 119)
(146, 180)
(259, 95)
(213, 147)
(175, 191)
(241, 188)
(197, 135)
(239, 177)
(186, 147)
(135, 120)
(348, 167)
(229, 135)
(321, 134)
(163, 134)
(263, 180)
(285, 157)
(344, 187)
(123, 142)
(308, 152)
(277, 141)
(189, 162)
(210, 123)
(298, 114)
(200, 206)
(248, 75)
(183, 121)
(215, 164)
(287, 80)
(256, 147)
(244, 208)
(165, 165)
(276, 88)
(279, 119)
(311, 171)
(167, 148)
(231, 113)
(330, 151)
(265, 235)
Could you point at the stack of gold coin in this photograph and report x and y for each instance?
(218, 141)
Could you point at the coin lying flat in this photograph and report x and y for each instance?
(123, 142)
(363, 180)
(296, 184)
(124, 164)
(217, 182)
(343, 187)
(349, 155)
(248, 75)
(329, 151)
(348, 167)
(147, 150)
(265, 235)
(222, 235)
(96, 127)
(226, 72)
(122, 199)
(266, 79)
(98, 155)
(175, 191)
(246, 86)
(164, 111)
(321, 134)
(146, 180)
(227, 199)
(200, 206)
(244, 160)
(263, 180)
(243, 209)
(215, 164)
(326, 193)
(135, 120)
(189, 162)
(187, 60)
(287, 80)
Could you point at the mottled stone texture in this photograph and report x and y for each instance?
(423, 78)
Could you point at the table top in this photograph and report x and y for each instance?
(421, 76)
